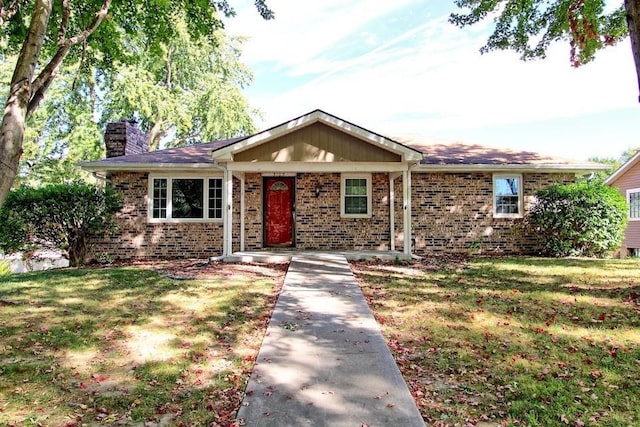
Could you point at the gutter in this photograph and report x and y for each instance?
(527, 167)
(144, 167)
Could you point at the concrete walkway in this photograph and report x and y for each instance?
(323, 361)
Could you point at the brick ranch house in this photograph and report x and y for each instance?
(320, 182)
(627, 180)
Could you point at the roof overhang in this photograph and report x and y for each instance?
(579, 169)
(106, 166)
(226, 154)
(624, 168)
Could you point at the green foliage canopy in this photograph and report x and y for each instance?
(530, 26)
(581, 219)
(44, 34)
(190, 87)
(62, 216)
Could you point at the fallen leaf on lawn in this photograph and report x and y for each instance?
(99, 377)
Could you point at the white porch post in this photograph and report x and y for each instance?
(240, 176)
(406, 219)
(228, 214)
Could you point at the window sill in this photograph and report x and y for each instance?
(507, 216)
(348, 216)
(183, 221)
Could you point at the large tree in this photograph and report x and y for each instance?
(189, 88)
(46, 33)
(530, 26)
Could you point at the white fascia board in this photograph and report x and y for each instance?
(622, 169)
(302, 167)
(548, 168)
(145, 167)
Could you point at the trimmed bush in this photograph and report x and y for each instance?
(581, 219)
(61, 216)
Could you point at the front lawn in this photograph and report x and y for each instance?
(514, 341)
(129, 346)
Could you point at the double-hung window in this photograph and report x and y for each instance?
(507, 196)
(355, 201)
(633, 198)
(185, 199)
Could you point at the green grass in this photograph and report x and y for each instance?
(514, 341)
(128, 346)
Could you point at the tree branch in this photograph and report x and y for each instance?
(8, 12)
(79, 72)
(632, 8)
(180, 141)
(168, 64)
(48, 73)
(64, 22)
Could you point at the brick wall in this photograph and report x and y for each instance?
(454, 213)
(450, 213)
(121, 138)
(253, 211)
(318, 221)
(137, 238)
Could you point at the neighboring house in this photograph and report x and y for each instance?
(627, 180)
(320, 182)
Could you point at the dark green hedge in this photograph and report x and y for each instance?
(61, 216)
(582, 219)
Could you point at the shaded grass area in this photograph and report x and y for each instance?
(128, 346)
(514, 341)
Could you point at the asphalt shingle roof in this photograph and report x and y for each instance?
(436, 152)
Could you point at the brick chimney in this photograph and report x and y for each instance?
(123, 138)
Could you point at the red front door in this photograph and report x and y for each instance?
(278, 211)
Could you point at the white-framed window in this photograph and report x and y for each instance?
(507, 196)
(633, 199)
(185, 198)
(355, 195)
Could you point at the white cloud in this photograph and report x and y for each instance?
(303, 30)
(429, 78)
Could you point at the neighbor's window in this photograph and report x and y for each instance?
(633, 198)
(356, 195)
(507, 196)
(186, 198)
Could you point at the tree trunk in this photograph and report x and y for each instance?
(15, 110)
(26, 92)
(156, 133)
(633, 22)
(77, 247)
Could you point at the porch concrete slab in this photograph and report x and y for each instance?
(277, 256)
(324, 361)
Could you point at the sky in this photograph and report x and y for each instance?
(399, 68)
